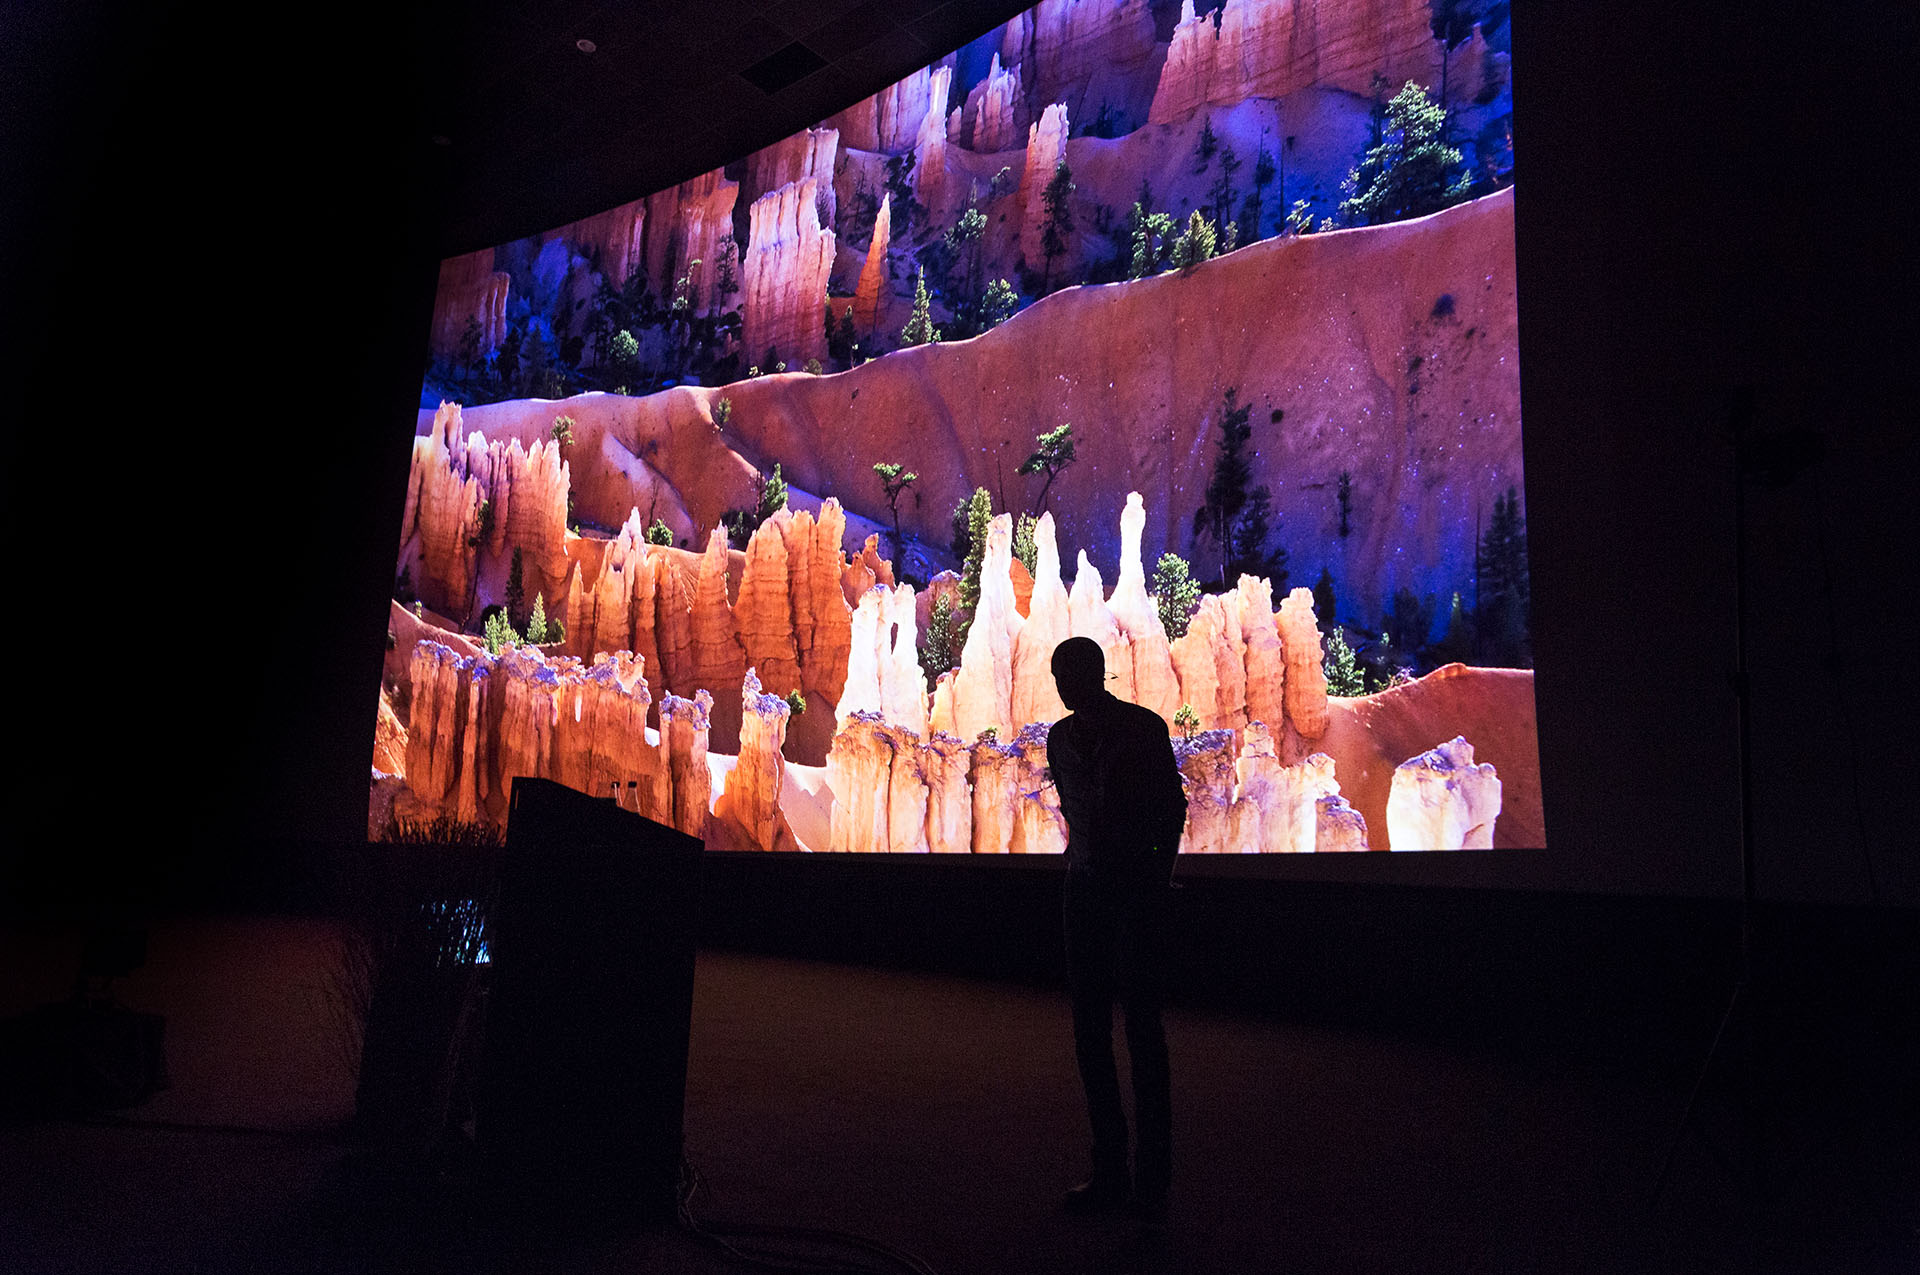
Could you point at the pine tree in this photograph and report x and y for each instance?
(1186, 720)
(1344, 677)
(1253, 210)
(1218, 517)
(961, 538)
(1452, 23)
(659, 533)
(1056, 235)
(1052, 453)
(1324, 598)
(1197, 243)
(937, 643)
(1253, 556)
(1024, 549)
(998, 305)
(1203, 150)
(920, 329)
(516, 588)
(1220, 194)
(537, 622)
(895, 479)
(966, 279)
(1153, 238)
(1505, 585)
(1176, 594)
(1456, 647)
(1409, 620)
(773, 496)
(979, 518)
(498, 633)
(1411, 171)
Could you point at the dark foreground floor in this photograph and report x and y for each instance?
(942, 1116)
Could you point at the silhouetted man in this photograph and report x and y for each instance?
(1119, 787)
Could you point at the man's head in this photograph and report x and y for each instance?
(1080, 672)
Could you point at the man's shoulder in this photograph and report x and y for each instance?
(1143, 719)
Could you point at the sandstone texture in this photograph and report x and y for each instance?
(891, 120)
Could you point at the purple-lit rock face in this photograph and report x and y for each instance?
(1442, 800)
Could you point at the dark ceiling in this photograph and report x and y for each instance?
(530, 125)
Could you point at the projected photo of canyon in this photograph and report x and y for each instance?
(763, 500)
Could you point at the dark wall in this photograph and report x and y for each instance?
(221, 266)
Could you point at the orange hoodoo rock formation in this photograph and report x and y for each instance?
(809, 153)
(868, 291)
(471, 496)
(658, 235)
(790, 622)
(1046, 145)
(685, 224)
(930, 143)
(995, 108)
(1260, 777)
(1254, 783)
(476, 722)
(1270, 48)
(789, 257)
(747, 813)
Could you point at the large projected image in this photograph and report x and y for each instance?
(766, 498)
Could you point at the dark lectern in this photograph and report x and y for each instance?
(592, 947)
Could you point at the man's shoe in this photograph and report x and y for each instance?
(1097, 1195)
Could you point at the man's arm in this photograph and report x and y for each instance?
(1172, 794)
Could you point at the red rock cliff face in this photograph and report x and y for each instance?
(1344, 334)
(1270, 48)
(470, 291)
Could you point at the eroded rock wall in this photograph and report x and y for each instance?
(471, 503)
(476, 722)
(1270, 48)
(789, 258)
